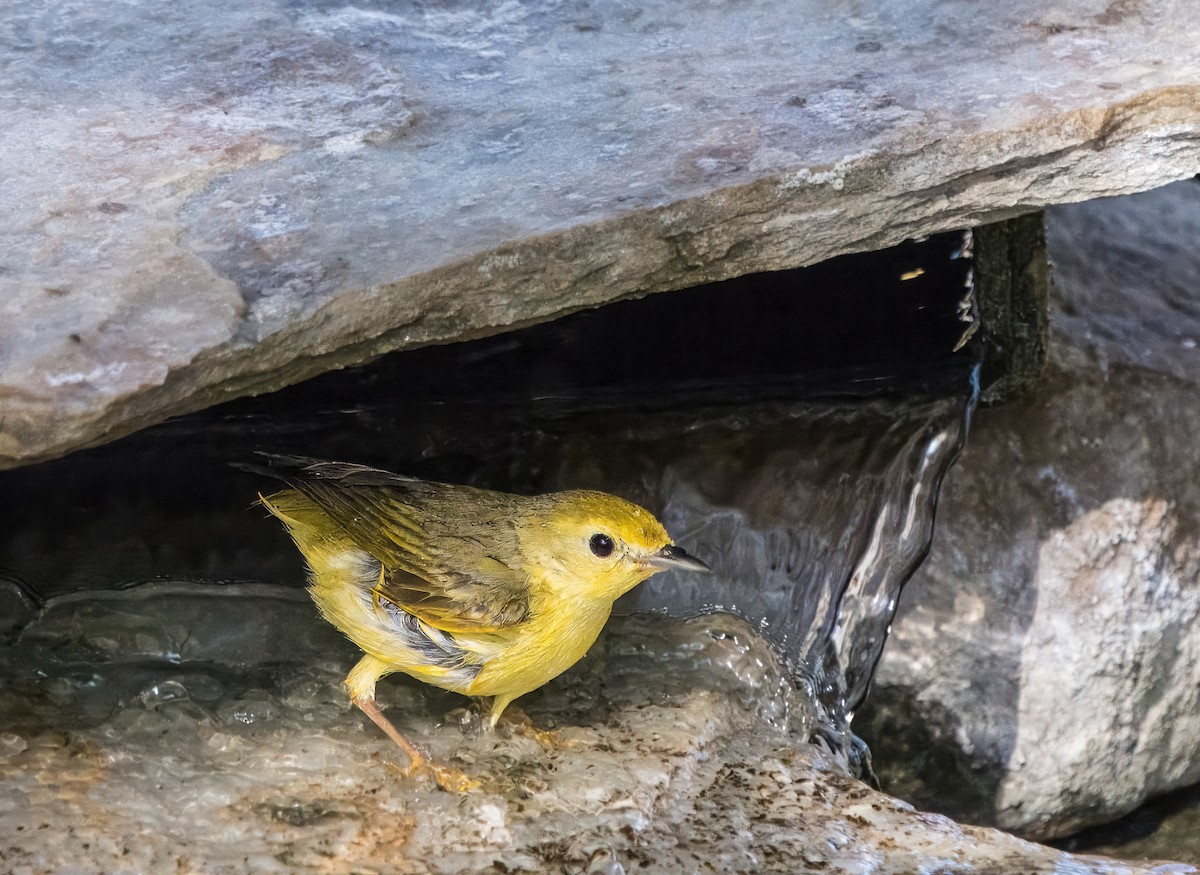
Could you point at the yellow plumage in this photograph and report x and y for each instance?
(478, 592)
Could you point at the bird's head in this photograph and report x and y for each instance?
(596, 545)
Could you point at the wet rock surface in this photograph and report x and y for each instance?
(1044, 658)
(210, 200)
(203, 728)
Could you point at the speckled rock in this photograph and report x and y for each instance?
(1044, 659)
(202, 728)
(206, 200)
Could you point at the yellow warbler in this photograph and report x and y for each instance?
(479, 592)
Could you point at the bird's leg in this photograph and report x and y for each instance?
(499, 703)
(416, 759)
(361, 683)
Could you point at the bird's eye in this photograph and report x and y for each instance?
(602, 545)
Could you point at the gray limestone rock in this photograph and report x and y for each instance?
(206, 200)
(1044, 660)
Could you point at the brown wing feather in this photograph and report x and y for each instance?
(442, 547)
(459, 602)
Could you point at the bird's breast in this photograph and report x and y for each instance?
(554, 638)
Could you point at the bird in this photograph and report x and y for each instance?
(484, 593)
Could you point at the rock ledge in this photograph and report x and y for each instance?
(211, 202)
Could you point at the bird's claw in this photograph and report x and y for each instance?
(450, 779)
(454, 781)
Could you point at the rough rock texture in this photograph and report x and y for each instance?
(1050, 643)
(1168, 826)
(202, 729)
(204, 200)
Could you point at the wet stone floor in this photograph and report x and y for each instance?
(203, 728)
(207, 725)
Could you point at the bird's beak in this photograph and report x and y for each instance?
(671, 556)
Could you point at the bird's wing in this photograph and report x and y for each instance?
(489, 598)
(441, 547)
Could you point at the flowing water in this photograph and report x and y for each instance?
(792, 431)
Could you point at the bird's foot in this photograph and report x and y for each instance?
(450, 779)
(419, 765)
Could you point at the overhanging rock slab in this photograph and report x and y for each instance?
(210, 199)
